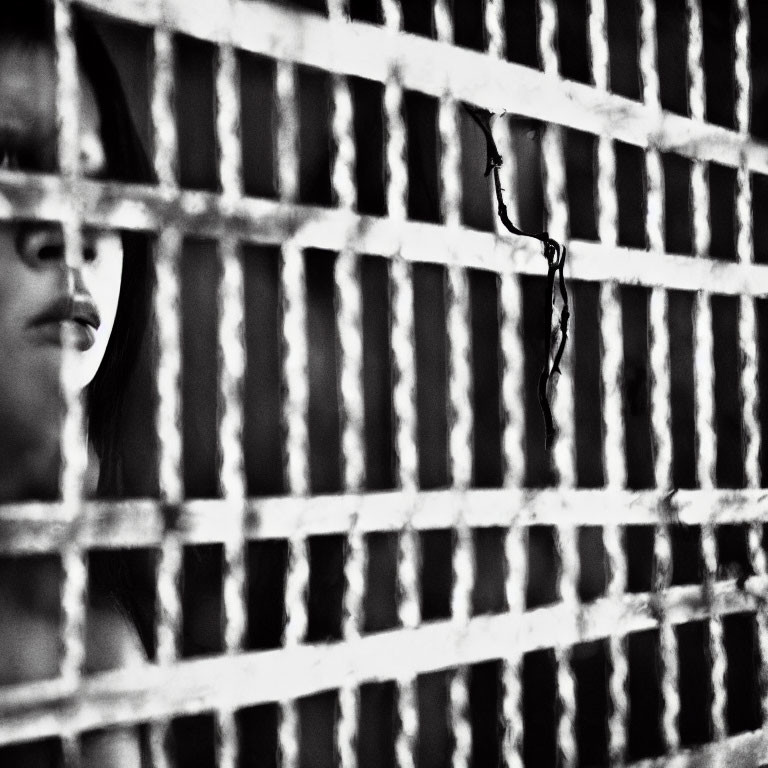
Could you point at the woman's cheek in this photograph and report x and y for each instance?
(102, 278)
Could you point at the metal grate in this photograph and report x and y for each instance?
(169, 687)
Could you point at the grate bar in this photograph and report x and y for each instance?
(150, 692)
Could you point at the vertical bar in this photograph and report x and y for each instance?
(404, 394)
(744, 250)
(295, 376)
(611, 365)
(167, 313)
(296, 383)
(459, 393)
(660, 387)
(74, 451)
(349, 323)
(704, 370)
(564, 446)
(515, 548)
(232, 371)
(494, 28)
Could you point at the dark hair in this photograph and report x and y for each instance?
(126, 161)
(32, 21)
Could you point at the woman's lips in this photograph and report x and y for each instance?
(72, 332)
(68, 320)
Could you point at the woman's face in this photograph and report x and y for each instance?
(41, 298)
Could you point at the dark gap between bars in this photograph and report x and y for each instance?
(722, 212)
(431, 348)
(637, 393)
(572, 40)
(719, 57)
(477, 207)
(262, 386)
(432, 694)
(623, 48)
(682, 388)
(258, 124)
(487, 464)
(695, 683)
(761, 321)
(195, 113)
(742, 682)
(587, 384)
(590, 664)
(540, 709)
(728, 401)
(678, 221)
(631, 195)
(644, 737)
(580, 166)
(314, 112)
(423, 156)
(672, 46)
(521, 32)
(200, 273)
(377, 373)
(323, 422)
(538, 466)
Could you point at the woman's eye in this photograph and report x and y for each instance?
(89, 254)
(52, 252)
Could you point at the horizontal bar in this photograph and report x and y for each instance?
(433, 67)
(203, 214)
(45, 527)
(747, 750)
(150, 692)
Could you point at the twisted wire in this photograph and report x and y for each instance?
(741, 67)
(548, 39)
(512, 379)
(615, 477)
(354, 595)
(696, 98)
(757, 559)
(659, 364)
(349, 323)
(166, 141)
(460, 441)
(716, 643)
(443, 22)
(167, 313)
(232, 350)
(460, 411)
(618, 719)
(611, 334)
(598, 43)
(403, 395)
(516, 561)
(494, 28)
(703, 366)
(392, 14)
(563, 450)
(662, 552)
(296, 387)
(287, 131)
(562, 407)
(745, 253)
(510, 330)
(611, 370)
(74, 452)
(568, 554)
